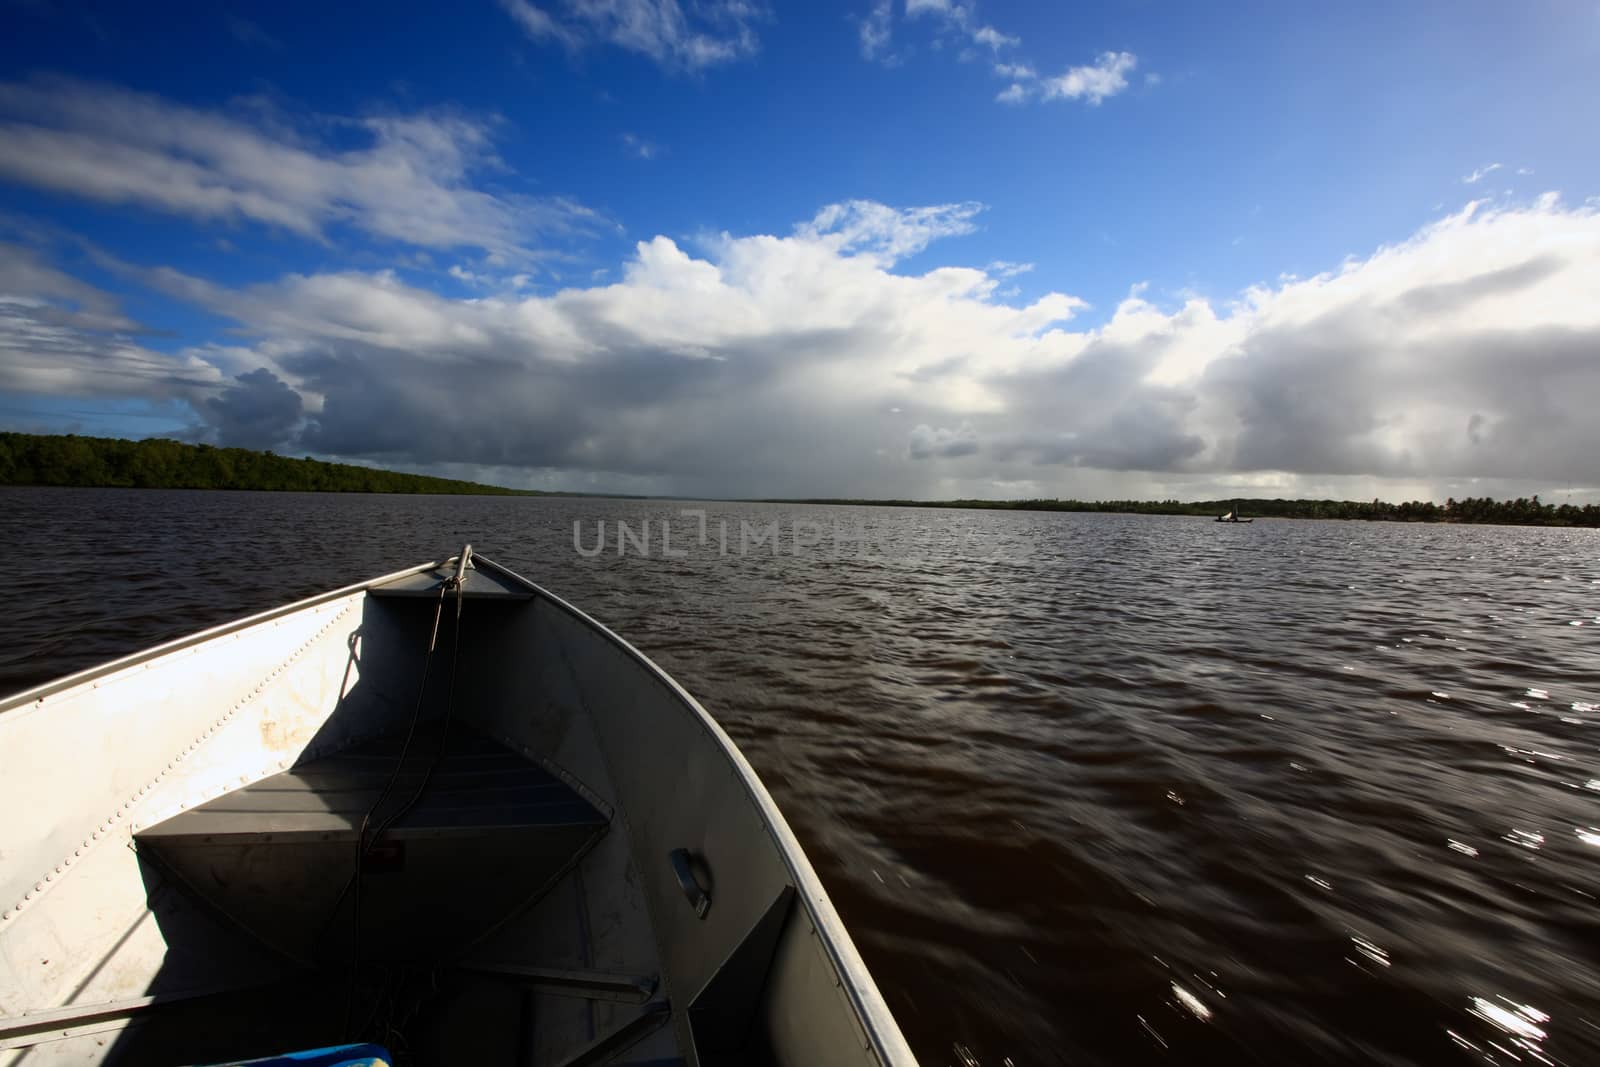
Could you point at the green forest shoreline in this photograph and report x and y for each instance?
(1523, 511)
(158, 463)
(68, 460)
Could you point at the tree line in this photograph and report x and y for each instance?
(1523, 511)
(158, 463)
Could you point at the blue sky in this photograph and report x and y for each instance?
(1119, 249)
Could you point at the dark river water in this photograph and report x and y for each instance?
(1085, 788)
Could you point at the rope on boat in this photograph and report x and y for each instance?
(364, 843)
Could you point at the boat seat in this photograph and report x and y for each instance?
(488, 834)
(478, 787)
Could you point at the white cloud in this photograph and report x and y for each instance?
(1093, 82)
(988, 35)
(876, 29)
(714, 31)
(537, 24)
(1001, 268)
(640, 147)
(888, 235)
(1106, 76)
(1481, 173)
(766, 365)
(960, 20)
(62, 336)
(27, 281)
(408, 178)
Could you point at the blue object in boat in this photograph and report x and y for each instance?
(336, 1056)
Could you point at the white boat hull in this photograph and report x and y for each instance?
(118, 946)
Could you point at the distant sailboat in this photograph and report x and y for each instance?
(1233, 516)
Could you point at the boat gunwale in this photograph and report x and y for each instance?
(878, 1023)
(53, 688)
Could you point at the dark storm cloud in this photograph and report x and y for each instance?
(928, 442)
(1307, 397)
(258, 411)
(1147, 436)
(1448, 298)
(1345, 395)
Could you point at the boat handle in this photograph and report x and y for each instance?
(465, 562)
(697, 896)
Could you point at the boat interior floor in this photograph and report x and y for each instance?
(466, 932)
